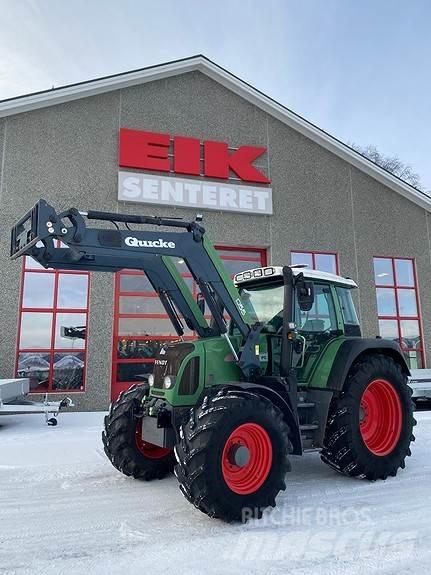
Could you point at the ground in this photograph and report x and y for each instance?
(65, 509)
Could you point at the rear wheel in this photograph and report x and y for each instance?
(370, 425)
(123, 443)
(233, 455)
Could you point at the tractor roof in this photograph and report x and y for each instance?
(273, 272)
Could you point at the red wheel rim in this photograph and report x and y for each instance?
(149, 449)
(247, 458)
(381, 417)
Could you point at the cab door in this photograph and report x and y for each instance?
(316, 329)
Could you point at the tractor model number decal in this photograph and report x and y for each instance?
(240, 306)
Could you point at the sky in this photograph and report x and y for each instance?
(359, 69)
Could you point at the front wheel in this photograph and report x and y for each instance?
(123, 443)
(233, 455)
(370, 426)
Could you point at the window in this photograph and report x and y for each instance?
(347, 307)
(322, 261)
(51, 357)
(321, 317)
(317, 326)
(264, 304)
(397, 306)
(141, 325)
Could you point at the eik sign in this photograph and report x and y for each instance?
(210, 163)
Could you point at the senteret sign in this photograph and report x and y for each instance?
(151, 189)
(189, 156)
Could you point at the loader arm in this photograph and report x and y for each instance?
(110, 250)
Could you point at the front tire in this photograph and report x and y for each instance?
(370, 425)
(233, 455)
(123, 444)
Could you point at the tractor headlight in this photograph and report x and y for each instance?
(168, 381)
(151, 380)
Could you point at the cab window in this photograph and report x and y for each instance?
(347, 306)
(321, 317)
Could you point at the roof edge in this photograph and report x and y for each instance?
(233, 83)
(314, 133)
(87, 88)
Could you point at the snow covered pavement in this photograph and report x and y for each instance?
(65, 509)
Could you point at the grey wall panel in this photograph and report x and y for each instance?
(9, 277)
(312, 200)
(388, 225)
(425, 290)
(68, 155)
(193, 105)
(2, 146)
(100, 330)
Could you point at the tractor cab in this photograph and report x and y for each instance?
(323, 311)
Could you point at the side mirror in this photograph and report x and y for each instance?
(200, 300)
(305, 294)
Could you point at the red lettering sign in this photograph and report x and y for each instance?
(218, 161)
(187, 155)
(144, 150)
(150, 151)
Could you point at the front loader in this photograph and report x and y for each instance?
(280, 367)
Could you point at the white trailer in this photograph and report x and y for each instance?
(420, 382)
(14, 401)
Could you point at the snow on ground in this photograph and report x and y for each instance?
(65, 509)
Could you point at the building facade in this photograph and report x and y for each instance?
(272, 189)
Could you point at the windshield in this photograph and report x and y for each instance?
(265, 304)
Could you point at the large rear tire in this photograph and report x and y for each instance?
(233, 455)
(123, 444)
(370, 425)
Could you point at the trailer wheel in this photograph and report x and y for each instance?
(123, 443)
(370, 426)
(233, 455)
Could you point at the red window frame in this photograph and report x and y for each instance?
(314, 253)
(54, 310)
(398, 318)
(257, 261)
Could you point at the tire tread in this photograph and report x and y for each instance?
(119, 440)
(340, 451)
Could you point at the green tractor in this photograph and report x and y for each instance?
(279, 368)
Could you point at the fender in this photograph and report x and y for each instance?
(277, 399)
(352, 349)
